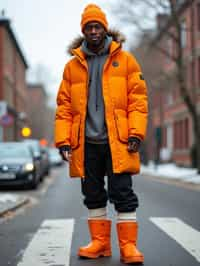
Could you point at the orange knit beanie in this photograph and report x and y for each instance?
(93, 13)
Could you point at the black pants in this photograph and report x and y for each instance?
(98, 163)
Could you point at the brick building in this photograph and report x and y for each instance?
(170, 113)
(37, 109)
(12, 81)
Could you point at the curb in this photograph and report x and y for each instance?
(14, 206)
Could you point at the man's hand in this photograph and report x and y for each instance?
(65, 152)
(133, 144)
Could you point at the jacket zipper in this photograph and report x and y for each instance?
(87, 84)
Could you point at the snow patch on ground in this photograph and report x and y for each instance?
(7, 197)
(172, 171)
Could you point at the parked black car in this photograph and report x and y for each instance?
(17, 165)
(46, 166)
(34, 144)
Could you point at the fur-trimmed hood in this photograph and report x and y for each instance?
(115, 34)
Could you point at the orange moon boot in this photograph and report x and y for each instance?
(127, 236)
(100, 240)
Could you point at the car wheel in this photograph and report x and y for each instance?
(34, 182)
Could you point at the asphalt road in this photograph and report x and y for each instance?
(61, 201)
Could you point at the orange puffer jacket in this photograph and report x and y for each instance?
(125, 99)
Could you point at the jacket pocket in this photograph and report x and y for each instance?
(75, 131)
(121, 124)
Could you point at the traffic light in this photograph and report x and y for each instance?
(26, 132)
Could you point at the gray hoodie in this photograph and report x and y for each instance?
(95, 128)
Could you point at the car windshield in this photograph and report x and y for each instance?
(14, 152)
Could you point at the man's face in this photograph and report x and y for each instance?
(94, 33)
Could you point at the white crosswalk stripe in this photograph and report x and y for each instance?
(185, 235)
(50, 245)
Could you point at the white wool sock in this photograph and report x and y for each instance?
(126, 217)
(96, 214)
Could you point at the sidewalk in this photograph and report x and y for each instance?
(11, 201)
(171, 171)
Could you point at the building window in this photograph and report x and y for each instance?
(169, 137)
(199, 71)
(192, 74)
(8, 51)
(198, 16)
(183, 34)
(179, 3)
(164, 136)
(169, 98)
(186, 135)
(175, 135)
(181, 134)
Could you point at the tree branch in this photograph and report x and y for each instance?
(166, 53)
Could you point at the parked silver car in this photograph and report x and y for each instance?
(55, 158)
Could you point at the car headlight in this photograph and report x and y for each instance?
(28, 167)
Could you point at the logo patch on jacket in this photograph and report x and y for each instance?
(115, 63)
(141, 77)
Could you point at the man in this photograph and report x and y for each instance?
(100, 122)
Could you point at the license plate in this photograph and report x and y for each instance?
(7, 176)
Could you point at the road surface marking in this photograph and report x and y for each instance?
(50, 245)
(182, 233)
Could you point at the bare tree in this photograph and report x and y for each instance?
(172, 28)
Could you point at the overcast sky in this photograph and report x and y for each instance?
(44, 28)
